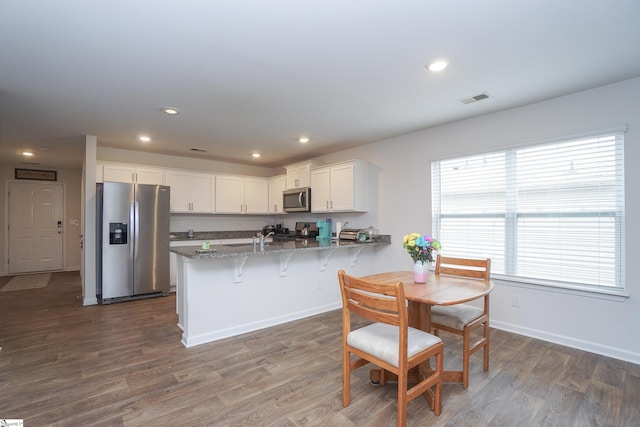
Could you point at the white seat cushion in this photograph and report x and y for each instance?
(382, 341)
(455, 316)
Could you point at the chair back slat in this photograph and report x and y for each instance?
(375, 301)
(475, 268)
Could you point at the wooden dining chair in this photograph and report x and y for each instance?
(463, 319)
(389, 342)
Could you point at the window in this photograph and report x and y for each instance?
(549, 213)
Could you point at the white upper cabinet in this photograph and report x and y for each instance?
(118, 173)
(277, 184)
(242, 194)
(321, 190)
(149, 176)
(115, 172)
(256, 195)
(298, 175)
(191, 192)
(341, 187)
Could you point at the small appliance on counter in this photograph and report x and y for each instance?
(359, 235)
(324, 229)
(280, 230)
(303, 230)
(268, 229)
(349, 234)
(306, 230)
(367, 234)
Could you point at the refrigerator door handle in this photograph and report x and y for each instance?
(136, 228)
(130, 231)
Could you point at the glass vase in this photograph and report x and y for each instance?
(420, 272)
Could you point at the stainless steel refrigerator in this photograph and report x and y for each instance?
(133, 241)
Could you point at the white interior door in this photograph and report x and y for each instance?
(35, 227)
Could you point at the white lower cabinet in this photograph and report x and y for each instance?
(342, 187)
(191, 192)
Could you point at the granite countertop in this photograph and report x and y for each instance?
(272, 247)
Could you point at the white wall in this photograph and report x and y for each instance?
(582, 321)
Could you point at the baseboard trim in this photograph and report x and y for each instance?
(90, 301)
(592, 347)
(190, 341)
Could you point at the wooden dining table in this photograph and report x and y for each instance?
(440, 289)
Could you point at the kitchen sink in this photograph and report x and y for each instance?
(239, 245)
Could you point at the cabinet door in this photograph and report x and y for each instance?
(149, 176)
(132, 174)
(256, 195)
(277, 185)
(321, 190)
(201, 188)
(229, 194)
(118, 173)
(342, 188)
(179, 198)
(298, 176)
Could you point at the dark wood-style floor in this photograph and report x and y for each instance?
(123, 365)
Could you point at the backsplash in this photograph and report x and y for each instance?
(185, 222)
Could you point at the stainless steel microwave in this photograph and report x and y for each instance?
(297, 200)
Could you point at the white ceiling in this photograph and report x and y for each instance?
(254, 75)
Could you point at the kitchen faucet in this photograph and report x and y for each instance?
(261, 236)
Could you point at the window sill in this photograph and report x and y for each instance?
(613, 294)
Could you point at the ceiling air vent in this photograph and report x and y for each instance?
(475, 98)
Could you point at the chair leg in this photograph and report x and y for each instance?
(437, 401)
(466, 355)
(486, 347)
(402, 399)
(346, 378)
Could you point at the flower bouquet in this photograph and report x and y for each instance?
(420, 248)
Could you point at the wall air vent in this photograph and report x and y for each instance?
(475, 98)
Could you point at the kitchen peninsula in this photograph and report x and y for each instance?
(242, 287)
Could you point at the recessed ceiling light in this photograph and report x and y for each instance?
(255, 155)
(438, 65)
(145, 138)
(27, 154)
(303, 139)
(170, 110)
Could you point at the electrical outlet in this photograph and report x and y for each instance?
(515, 301)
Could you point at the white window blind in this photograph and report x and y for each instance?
(551, 212)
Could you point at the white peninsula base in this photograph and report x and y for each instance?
(227, 296)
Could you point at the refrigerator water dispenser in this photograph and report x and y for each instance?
(117, 233)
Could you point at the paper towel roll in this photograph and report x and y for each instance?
(338, 228)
